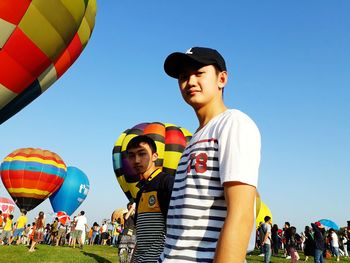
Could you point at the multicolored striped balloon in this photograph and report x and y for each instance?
(171, 141)
(63, 218)
(31, 175)
(39, 41)
(7, 206)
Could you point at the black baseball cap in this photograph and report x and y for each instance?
(176, 61)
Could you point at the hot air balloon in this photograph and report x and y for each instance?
(39, 41)
(263, 211)
(171, 140)
(72, 192)
(7, 206)
(118, 214)
(63, 218)
(31, 175)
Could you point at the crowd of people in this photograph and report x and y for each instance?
(73, 232)
(314, 241)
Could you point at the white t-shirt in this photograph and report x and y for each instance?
(81, 222)
(227, 149)
(266, 230)
(334, 241)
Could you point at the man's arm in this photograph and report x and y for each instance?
(235, 233)
(266, 236)
(130, 211)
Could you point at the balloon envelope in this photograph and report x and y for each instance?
(63, 218)
(31, 175)
(37, 47)
(72, 192)
(171, 141)
(7, 206)
(118, 214)
(263, 211)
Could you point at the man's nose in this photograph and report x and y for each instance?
(191, 79)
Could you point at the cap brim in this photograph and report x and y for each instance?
(177, 61)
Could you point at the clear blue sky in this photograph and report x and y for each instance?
(288, 64)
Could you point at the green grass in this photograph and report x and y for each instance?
(254, 258)
(48, 254)
(106, 254)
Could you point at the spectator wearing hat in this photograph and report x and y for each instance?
(319, 241)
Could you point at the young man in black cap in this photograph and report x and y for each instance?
(152, 200)
(211, 212)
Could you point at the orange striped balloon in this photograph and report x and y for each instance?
(170, 140)
(31, 175)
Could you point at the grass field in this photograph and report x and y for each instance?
(48, 254)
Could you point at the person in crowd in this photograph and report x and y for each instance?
(344, 239)
(38, 231)
(31, 234)
(95, 228)
(7, 231)
(73, 233)
(47, 233)
(222, 157)
(128, 238)
(334, 243)
(26, 234)
(117, 229)
(259, 234)
(61, 234)
(292, 245)
(104, 233)
(319, 238)
(1, 222)
(20, 225)
(275, 240)
(152, 201)
(266, 238)
(54, 231)
(286, 236)
(309, 243)
(80, 228)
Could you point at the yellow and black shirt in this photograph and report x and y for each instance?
(152, 207)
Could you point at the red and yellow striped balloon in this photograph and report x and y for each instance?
(31, 175)
(171, 141)
(39, 41)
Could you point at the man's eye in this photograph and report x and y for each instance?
(183, 77)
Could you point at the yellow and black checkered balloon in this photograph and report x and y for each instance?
(171, 141)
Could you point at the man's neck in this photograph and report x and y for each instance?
(208, 112)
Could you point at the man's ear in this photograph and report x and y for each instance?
(222, 79)
(154, 156)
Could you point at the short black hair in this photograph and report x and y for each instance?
(287, 223)
(135, 142)
(82, 213)
(267, 218)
